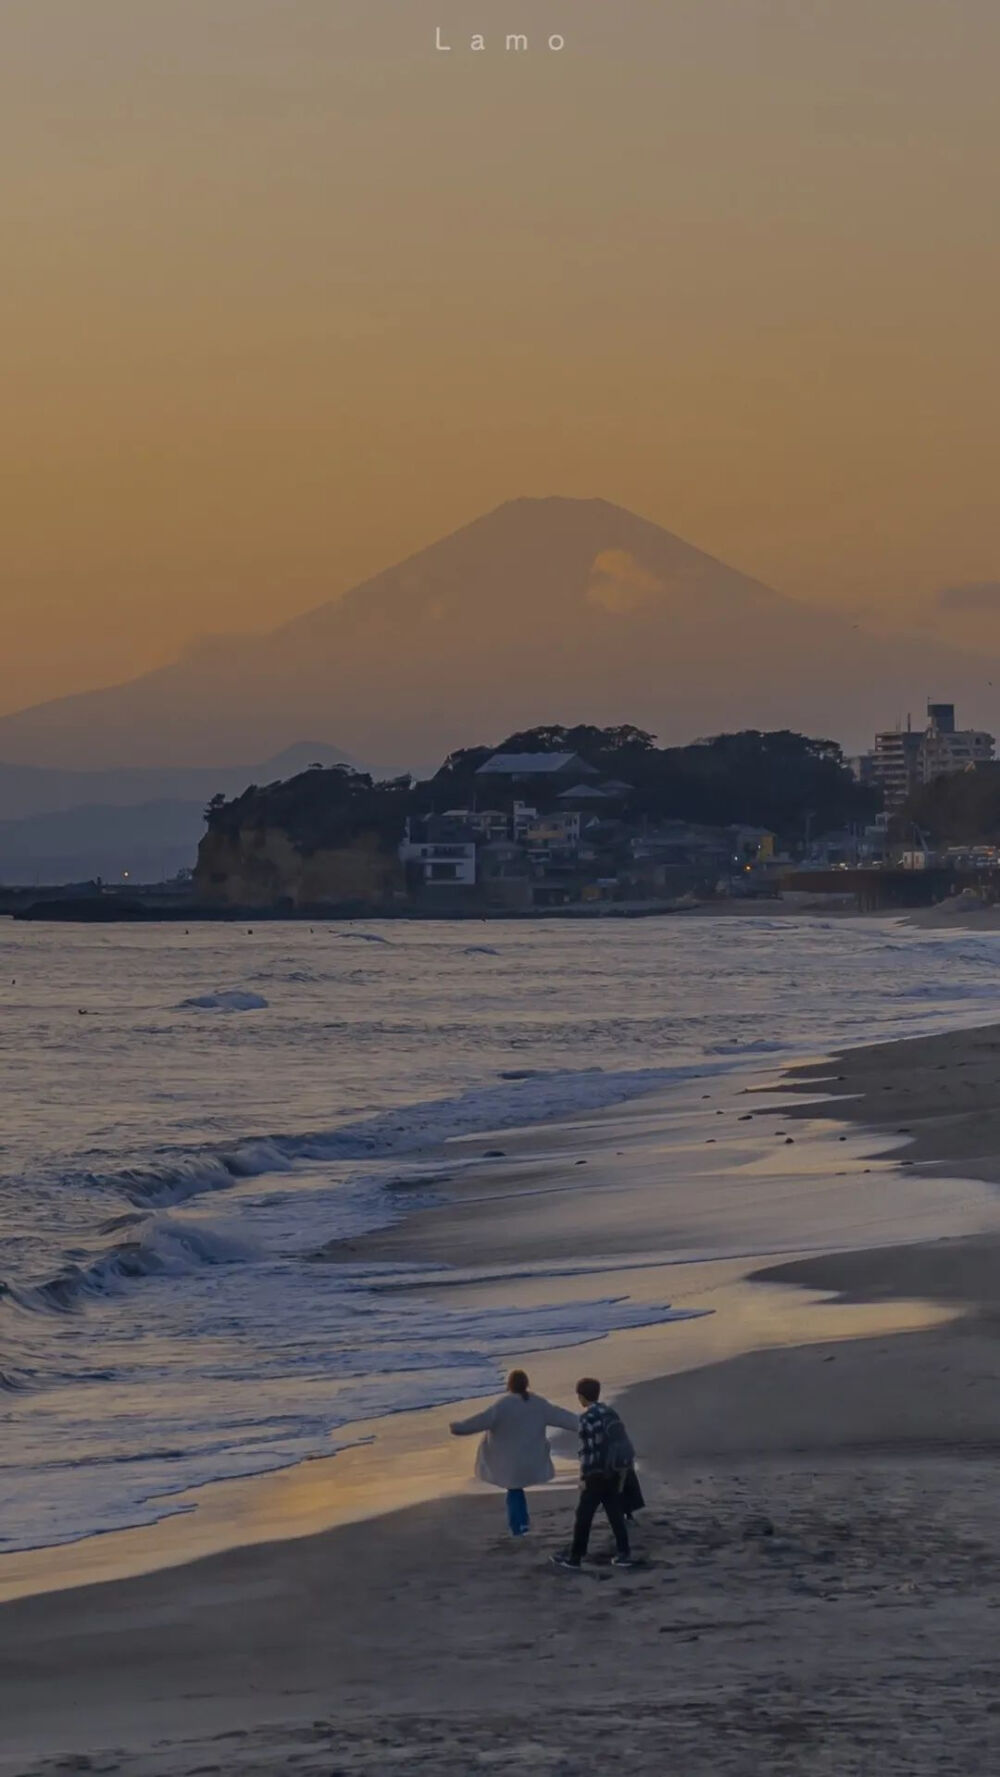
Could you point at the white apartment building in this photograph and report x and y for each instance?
(904, 758)
(945, 748)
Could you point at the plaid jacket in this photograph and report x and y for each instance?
(594, 1440)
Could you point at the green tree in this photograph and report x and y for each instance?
(962, 808)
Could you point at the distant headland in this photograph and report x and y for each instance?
(575, 821)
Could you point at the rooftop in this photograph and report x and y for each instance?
(584, 793)
(533, 765)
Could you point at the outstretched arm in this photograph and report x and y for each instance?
(463, 1428)
(561, 1417)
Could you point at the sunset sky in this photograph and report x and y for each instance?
(288, 293)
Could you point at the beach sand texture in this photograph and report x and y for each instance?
(821, 1562)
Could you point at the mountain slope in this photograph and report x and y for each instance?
(69, 826)
(151, 842)
(549, 609)
(27, 791)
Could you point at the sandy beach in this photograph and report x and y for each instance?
(820, 1556)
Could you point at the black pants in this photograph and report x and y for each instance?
(599, 1490)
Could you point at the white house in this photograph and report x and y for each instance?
(442, 860)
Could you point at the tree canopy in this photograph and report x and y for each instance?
(783, 781)
(319, 808)
(962, 808)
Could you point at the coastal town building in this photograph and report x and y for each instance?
(443, 863)
(947, 748)
(487, 823)
(541, 850)
(905, 758)
(752, 845)
(894, 766)
(552, 832)
(439, 852)
(523, 816)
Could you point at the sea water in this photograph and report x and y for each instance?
(190, 1115)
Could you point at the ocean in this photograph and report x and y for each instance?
(188, 1116)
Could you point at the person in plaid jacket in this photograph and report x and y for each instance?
(606, 1456)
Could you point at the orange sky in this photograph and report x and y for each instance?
(288, 293)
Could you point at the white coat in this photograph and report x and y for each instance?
(515, 1451)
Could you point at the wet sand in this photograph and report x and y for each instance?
(819, 1592)
(821, 1550)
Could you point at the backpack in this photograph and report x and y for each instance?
(619, 1447)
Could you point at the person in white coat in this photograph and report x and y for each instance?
(515, 1454)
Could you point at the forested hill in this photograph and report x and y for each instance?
(783, 781)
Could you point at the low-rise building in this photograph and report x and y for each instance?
(752, 845)
(488, 824)
(523, 816)
(552, 832)
(439, 850)
(441, 861)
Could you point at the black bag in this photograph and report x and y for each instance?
(620, 1453)
(632, 1497)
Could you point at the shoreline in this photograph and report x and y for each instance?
(957, 914)
(844, 1397)
(125, 910)
(563, 1208)
(794, 1563)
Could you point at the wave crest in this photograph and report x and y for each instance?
(164, 1248)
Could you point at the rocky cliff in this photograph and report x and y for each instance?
(319, 838)
(259, 866)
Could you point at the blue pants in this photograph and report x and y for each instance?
(517, 1511)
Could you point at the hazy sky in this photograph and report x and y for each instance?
(289, 293)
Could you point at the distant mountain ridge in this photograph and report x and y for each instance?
(551, 607)
(30, 790)
(72, 826)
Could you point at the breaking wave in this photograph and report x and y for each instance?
(160, 1249)
(172, 1354)
(526, 1098)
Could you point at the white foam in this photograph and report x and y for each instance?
(525, 1098)
(227, 999)
(130, 1468)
